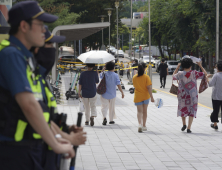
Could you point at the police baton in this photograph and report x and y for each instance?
(73, 160)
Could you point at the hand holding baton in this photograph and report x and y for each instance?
(73, 160)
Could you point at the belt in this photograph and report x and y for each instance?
(22, 143)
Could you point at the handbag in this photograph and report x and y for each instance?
(101, 89)
(203, 85)
(81, 106)
(174, 89)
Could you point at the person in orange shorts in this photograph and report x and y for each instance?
(142, 95)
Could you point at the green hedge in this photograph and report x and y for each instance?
(125, 48)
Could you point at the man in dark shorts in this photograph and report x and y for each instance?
(163, 68)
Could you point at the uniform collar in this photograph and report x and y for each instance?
(18, 43)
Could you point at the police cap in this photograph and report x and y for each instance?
(26, 10)
(49, 37)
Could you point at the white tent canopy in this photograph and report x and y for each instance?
(76, 32)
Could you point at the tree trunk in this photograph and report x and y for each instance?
(159, 45)
(211, 63)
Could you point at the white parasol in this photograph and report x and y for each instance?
(95, 57)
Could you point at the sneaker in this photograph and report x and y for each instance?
(144, 128)
(91, 121)
(111, 122)
(140, 129)
(161, 86)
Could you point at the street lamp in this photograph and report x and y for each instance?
(109, 10)
(117, 6)
(102, 20)
(131, 30)
(150, 66)
(134, 48)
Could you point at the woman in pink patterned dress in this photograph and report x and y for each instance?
(187, 91)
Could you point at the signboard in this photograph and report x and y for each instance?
(6, 2)
(5, 6)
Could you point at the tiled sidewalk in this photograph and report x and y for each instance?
(163, 146)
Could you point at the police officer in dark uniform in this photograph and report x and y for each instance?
(45, 57)
(24, 117)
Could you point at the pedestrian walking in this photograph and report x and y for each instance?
(187, 91)
(121, 67)
(142, 96)
(87, 91)
(109, 97)
(216, 83)
(163, 69)
(25, 117)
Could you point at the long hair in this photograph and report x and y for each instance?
(141, 68)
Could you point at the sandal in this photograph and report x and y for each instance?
(86, 123)
(189, 131)
(104, 121)
(91, 121)
(184, 127)
(214, 127)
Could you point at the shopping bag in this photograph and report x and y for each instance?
(81, 106)
(101, 89)
(203, 85)
(174, 88)
(158, 102)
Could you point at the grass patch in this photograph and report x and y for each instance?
(154, 91)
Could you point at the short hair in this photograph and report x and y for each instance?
(14, 28)
(90, 65)
(186, 63)
(110, 66)
(163, 60)
(219, 65)
(136, 61)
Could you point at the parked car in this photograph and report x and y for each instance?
(120, 54)
(172, 65)
(110, 48)
(113, 51)
(146, 59)
(67, 57)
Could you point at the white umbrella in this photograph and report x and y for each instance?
(194, 59)
(99, 57)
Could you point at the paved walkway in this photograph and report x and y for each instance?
(163, 146)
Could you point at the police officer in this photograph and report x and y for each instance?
(45, 57)
(24, 117)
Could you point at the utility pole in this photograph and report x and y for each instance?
(131, 31)
(217, 31)
(122, 41)
(150, 66)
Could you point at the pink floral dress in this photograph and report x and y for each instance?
(187, 92)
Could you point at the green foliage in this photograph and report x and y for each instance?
(183, 25)
(125, 48)
(125, 12)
